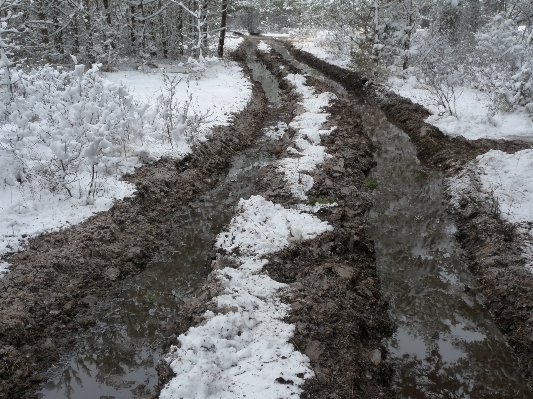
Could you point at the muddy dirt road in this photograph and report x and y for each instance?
(384, 305)
(446, 348)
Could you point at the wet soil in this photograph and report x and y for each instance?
(53, 286)
(340, 316)
(491, 245)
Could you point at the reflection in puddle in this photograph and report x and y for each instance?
(446, 345)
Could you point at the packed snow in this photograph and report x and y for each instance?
(262, 46)
(244, 350)
(307, 151)
(114, 121)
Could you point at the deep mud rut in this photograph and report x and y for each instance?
(490, 247)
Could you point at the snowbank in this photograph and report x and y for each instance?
(245, 352)
(29, 207)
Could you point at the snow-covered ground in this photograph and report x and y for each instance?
(28, 208)
(474, 118)
(505, 182)
(244, 349)
(317, 44)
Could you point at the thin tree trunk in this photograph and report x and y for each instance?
(223, 28)
(132, 29)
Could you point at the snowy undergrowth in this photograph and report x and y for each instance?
(505, 182)
(325, 45)
(307, 151)
(244, 349)
(67, 137)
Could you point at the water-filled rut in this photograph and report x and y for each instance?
(446, 344)
(116, 358)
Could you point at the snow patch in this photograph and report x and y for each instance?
(244, 351)
(4, 267)
(262, 227)
(510, 178)
(307, 151)
(262, 46)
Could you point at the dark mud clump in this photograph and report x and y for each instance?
(50, 287)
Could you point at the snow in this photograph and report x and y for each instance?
(262, 227)
(317, 45)
(474, 119)
(28, 207)
(308, 153)
(510, 178)
(243, 349)
(221, 88)
(262, 46)
(231, 43)
(505, 181)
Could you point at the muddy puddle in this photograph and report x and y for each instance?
(446, 344)
(116, 358)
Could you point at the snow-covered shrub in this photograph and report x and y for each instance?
(58, 124)
(503, 63)
(442, 67)
(69, 131)
(181, 120)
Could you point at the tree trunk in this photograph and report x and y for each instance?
(223, 28)
(107, 12)
(132, 29)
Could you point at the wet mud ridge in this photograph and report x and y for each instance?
(492, 246)
(334, 292)
(52, 286)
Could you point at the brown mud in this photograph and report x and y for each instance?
(492, 245)
(52, 285)
(340, 315)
